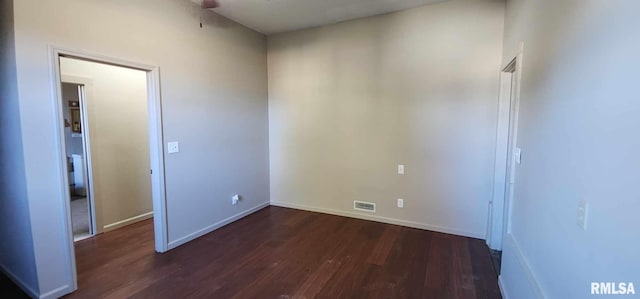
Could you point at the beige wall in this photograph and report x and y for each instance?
(119, 139)
(348, 102)
(213, 88)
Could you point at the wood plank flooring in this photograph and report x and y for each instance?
(286, 253)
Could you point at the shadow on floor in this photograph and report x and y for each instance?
(496, 259)
(9, 290)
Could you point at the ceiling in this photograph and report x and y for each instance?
(275, 16)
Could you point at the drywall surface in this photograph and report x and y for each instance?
(214, 102)
(17, 257)
(579, 137)
(351, 101)
(116, 103)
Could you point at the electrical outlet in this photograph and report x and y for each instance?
(235, 199)
(583, 210)
(400, 169)
(400, 203)
(173, 147)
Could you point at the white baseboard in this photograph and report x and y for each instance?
(503, 290)
(441, 229)
(523, 271)
(219, 224)
(57, 293)
(21, 284)
(126, 222)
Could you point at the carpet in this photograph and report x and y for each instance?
(80, 218)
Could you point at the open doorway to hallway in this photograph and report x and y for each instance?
(107, 145)
(121, 135)
(508, 156)
(81, 207)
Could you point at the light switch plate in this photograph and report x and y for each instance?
(400, 169)
(518, 155)
(583, 212)
(173, 147)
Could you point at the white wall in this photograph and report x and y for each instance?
(348, 102)
(579, 138)
(17, 258)
(214, 101)
(119, 140)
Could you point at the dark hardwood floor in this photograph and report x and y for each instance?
(285, 253)
(8, 289)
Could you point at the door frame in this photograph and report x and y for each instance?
(506, 141)
(156, 149)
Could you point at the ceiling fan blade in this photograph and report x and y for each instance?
(207, 4)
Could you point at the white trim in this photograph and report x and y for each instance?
(436, 228)
(132, 220)
(156, 154)
(54, 61)
(499, 221)
(503, 288)
(55, 293)
(525, 268)
(219, 224)
(21, 284)
(156, 151)
(88, 161)
(508, 206)
(496, 218)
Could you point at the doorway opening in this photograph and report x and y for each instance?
(110, 147)
(107, 142)
(82, 208)
(507, 157)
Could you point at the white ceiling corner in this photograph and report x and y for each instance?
(275, 16)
